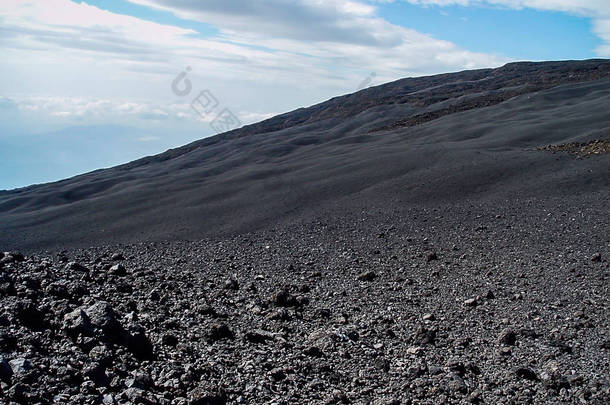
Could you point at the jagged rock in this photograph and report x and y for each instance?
(283, 298)
(140, 380)
(135, 395)
(96, 373)
(367, 276)
(76, 266)
(526, 373)
(77, 323)
(28, 313)
(138, 343)
(8, 342)
(58, 290)
(277, 374)
(231, 284)
(102, 355)
(11, 257)
(424, 335)
(313, 351)
(20, 366)
(508, 337)
(105, 321)
(219, 331)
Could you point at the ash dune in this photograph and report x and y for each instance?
(423, 140)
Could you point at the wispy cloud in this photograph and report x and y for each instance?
(261, 39)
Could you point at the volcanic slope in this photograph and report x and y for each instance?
(445, 139)
(438, 240)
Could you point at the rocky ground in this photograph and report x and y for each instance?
(582, 149)
(427, 306)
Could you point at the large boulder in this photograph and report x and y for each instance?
(105, 322)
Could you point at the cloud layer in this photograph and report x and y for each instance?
(269, 56)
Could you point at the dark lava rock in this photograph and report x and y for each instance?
(283, 298)
(105, 321)
(555, 382)
(138, 343)
(424, 335)
(457, 367)
(11, 257)
(96, 373)
(5, 370)
(367, 276)
(456, 384)
(597, 257)
(77, 323)
(8, 342)
(76, 266)
(431, 256)
(508, 338)
(417, 371)
(169, 339)
(313, 351)
(219, 331)
(118, 270)
(277, 374)
(203, 397)
(258, 336)
(231, 284)
(20, 366)
(29, 315)
(561, 346)
(139, 380)
(102, 355)
(135, 395)
(280, 314)
(526, 373)
(58, 290)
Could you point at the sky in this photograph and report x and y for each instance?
(96, 83)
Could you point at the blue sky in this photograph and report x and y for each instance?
(88, 84)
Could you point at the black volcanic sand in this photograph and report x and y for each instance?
(444, 258)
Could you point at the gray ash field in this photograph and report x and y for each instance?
(433, 240)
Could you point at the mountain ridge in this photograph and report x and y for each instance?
(591, 66)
